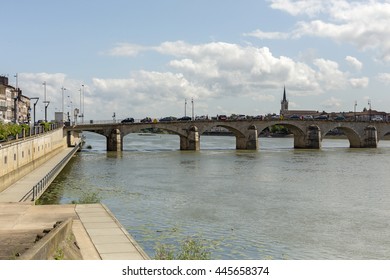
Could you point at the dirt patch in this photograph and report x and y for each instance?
(15, 244)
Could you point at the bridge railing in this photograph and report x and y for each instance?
(42, 185)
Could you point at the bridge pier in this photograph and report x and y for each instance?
(310, 140)
(250, 141)
(191, 142)
(114, 140)
(370, 137)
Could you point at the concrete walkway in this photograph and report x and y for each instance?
(19, 189)
(98, 233)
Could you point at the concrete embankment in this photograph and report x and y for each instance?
(87, 231)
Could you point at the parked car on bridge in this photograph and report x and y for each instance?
(168, 119)
(201, 118)
(294, 117)
(146, 120)
(185, 118)
(222, 117)
(377, 119)
(339, 118)
(308, 117)
(321, 117)
(128, 120)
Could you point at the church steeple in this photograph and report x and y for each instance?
(284, 103)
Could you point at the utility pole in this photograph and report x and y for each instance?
(62, 90)
(192, 103)
(44, 99)
(82, 111)
(369, 106)
(185, 107)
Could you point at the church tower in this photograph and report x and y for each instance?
(284, 103)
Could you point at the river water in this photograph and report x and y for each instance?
(274, 203)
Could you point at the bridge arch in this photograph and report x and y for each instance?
(304, 136)
(246, 135)
(351, 134)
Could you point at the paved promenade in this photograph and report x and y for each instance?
(98, 233)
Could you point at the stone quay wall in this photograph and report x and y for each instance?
(22, 156)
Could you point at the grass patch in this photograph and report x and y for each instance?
(190, 249)
(88, 198)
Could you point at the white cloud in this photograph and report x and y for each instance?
(384, 78)
(267, 35)
(354, 62)
(210, 73)
(220, 70)
(125, 49)
(359, 82)
(299, 7)
(332, 103)
(360, 23)
(329, 74)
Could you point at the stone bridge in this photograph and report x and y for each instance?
(308, 134)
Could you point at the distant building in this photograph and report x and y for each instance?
(285, 112)
(14, 106)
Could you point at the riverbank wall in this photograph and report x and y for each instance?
(20, 157)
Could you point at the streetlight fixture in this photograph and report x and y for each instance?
(62, 90)
(369, 106)
(192, 104)
(82, 107)
(354, 110)
(45, 101)
(185, 107)
(35, 104)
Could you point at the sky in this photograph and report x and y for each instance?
(147, 58)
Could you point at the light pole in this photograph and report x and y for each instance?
(82, 108)
(192, 104)
(16, 77)
(79, 111)
(35, 104)
(185, 107)
(62, 90)
(369, 106)
(45, 101)
(354, 110)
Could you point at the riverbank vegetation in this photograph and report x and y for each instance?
(190, 249)
(11, 130)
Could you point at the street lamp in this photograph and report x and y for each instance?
(62, 90)
(185, 107)
(82, 107)
(45, 101)
(369, 106)
(354, 110)
(192, 104)
(35, 104)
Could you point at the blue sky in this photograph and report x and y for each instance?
(145, 58)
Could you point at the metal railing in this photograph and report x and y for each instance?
(41, 186)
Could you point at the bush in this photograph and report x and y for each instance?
(88, 198)
(190, 249)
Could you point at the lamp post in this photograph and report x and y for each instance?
(45, 101)
(185, 107)
(369, 106)
(354, 110)
(192, 104)
(62, 90)
(79, 110)
(82, 107)
(35, 104)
